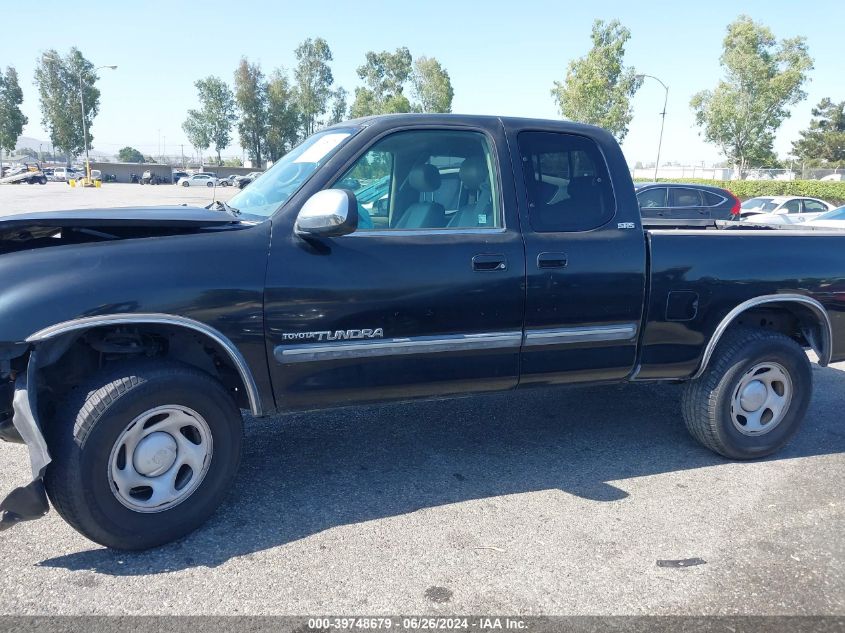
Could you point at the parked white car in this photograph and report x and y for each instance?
(782, 209)
(832, 178)
(198, 180)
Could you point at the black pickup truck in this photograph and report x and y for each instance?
(387, 258)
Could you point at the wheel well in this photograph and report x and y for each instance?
(794, 320)
(66, 360)
(799, 317)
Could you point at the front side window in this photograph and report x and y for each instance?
(567, 182)
(652, 198)
(793, 206)
(425, 179)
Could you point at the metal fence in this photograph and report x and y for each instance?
(727, 173)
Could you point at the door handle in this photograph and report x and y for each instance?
(489, 263)
(552, 260)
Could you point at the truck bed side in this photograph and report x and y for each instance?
(699, 277)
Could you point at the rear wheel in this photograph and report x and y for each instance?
(210, 184)
(143, 454)
(753, 396)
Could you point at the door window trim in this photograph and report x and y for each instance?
(494, 150)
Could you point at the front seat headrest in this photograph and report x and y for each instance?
(424, 178)
(473, 172)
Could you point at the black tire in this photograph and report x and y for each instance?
(211, 184)
(85, 429)
(186, 184)
(706, 403)
(42, 180)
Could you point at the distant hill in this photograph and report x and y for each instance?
(27, 142)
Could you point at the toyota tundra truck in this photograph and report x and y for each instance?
(386, 258)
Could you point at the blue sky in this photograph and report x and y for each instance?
(502, 56)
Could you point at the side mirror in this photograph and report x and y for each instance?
(328, 213)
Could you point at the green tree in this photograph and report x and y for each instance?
(12, 119)
(251, 99)
(339, 106)
(314, 81)
(763, 77)
(196, 129)
(130, 155)
(432, 86)
(216, 113)
(823, 143)
(59, 81)
(598, 87)
(384, 75)
(283, 116)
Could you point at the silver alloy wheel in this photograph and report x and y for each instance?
(761, 399)
(160, 459)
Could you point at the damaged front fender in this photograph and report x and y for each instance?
(30, 501)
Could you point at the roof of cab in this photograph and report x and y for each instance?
(415, 118)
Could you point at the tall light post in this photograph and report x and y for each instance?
(82, 111)
(662, 120)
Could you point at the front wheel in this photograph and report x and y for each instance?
(753, 396)
(186, 184)
(143, 454)
(209, 185)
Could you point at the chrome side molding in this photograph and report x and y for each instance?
(826, 344)
(570, 335)
(371, 348)
(161, 319)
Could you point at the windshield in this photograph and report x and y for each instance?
(272, 188)
(766, 204)
(836, 214)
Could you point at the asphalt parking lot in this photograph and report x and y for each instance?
(59, 195)
(538, 502)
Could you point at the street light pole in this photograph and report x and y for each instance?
(662, 120)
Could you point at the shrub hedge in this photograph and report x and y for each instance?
(833, 192)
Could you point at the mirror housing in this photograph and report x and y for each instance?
(328, 213)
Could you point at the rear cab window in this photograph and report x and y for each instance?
(567, 182)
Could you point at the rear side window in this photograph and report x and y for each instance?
(567, 182)
(681, 197)
(813, 206)
(652, 198)
(711, 199)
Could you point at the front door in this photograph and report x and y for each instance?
(426, 298)
(585, 268)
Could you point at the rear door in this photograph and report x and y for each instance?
(426, 298)
(585, 260)
(686, 203)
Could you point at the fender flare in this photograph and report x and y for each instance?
(218, 337)
(824, 347)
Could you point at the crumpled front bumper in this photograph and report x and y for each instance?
(30, 501)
